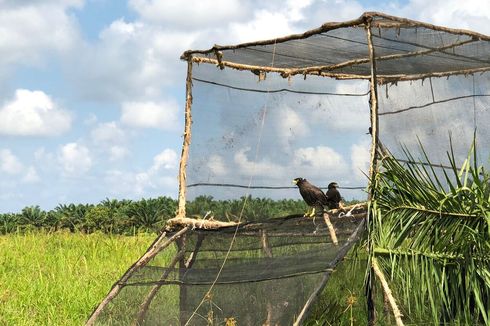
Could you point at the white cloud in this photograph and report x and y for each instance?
(9, 163)
(75, 159)
(260, 168)
(33, 113)
(149, 181)
(166, 160)
(30, 30)
(107, 133)
(198, 14)
(118, 152)
(320, 160)
(31, 176)
(360, 158)
(217, 166)
(265, 25)
(161, 115)
(291, 126)
(471, 14)
(130, 61)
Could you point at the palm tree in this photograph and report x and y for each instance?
(430, 232)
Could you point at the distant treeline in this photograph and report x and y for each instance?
(145, 215)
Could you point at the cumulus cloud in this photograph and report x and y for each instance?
(216, 165)
(129, 61)
(264, 167)
(75, 159)
(33, 113)
(360, 158)
(164, 160)
(197, 13)
(33, 29)
(107, 133)
(154, 180)
(161, 115)
(31, 176)
(471, 14)
(291, 126)
(9, 163)
(320, 160)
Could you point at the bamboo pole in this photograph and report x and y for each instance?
(387, 291)
(343, 250)
(158, 245)
(331, 229)
(373, 165)
(186, 142)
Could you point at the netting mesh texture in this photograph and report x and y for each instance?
(251, 136)
(270, 272)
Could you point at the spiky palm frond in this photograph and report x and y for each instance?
(431, 232)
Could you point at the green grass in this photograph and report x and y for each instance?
(58, 278)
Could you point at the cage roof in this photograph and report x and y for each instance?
(404, 49)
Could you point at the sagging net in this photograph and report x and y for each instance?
(271, 270)
(264, 113)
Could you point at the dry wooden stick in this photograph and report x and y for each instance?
(186, 142)
(331, 229)
(394, 22)
(264, 240)
(318, 289)
(387, 291)
(284, 72)
(154, 290)
(197, 224)
(154, 249)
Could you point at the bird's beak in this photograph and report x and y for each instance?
(295, 182)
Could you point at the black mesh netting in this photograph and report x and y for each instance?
(270, 272)
(253, 131)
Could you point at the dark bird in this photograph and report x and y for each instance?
(312, 195)
(333, 196)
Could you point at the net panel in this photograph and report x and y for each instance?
(438, 50)
(266, 282)
(434, 112)
(252, 137)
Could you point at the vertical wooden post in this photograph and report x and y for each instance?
(187, 141)
(182, 287)
(373, 100)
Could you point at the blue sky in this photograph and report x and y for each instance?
(92, 92)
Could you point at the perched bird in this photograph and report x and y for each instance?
(333, 196)
(312, 195)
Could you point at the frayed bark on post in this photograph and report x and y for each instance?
(186, 143)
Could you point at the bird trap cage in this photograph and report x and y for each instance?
(317, 105)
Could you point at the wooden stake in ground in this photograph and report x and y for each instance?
(387, 292)
(331, 229)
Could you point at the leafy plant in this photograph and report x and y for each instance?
(431, 232)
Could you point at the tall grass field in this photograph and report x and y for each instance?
(58, 278)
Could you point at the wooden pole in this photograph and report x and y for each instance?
(331, 229)
(387, 292)
(187, 141)
(158, 245)
(154, 290)
(373, 99)
(343, 250)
